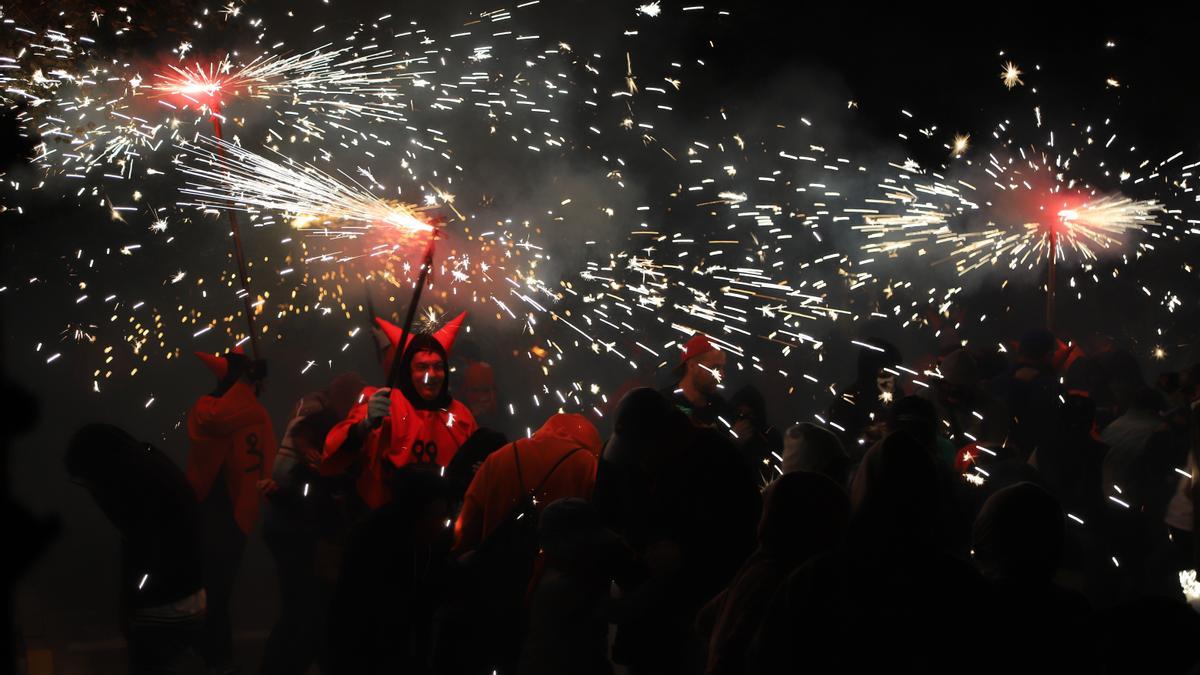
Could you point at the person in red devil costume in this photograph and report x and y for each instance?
(415, 422)
(232, 452)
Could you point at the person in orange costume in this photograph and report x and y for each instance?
(230, 459)
(496, 488)
(415, 422)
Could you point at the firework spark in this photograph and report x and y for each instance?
(961, 143)
(1011, 75)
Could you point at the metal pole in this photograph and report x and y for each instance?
(1051, 280)
(426, 265)
(240, 256)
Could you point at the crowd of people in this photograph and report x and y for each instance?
(1034, 514)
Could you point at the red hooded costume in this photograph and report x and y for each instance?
(408, 434)
(231, 436)
(495, 490)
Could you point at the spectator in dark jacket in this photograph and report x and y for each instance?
(890, 580)
(803, 514)
(569, 601)
(393, 575)
(685, 502)
(145, 495)
(1018, 541)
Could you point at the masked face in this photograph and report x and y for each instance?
(428, 374)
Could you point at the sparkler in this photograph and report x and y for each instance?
(240, 257)
(232, 178)
(929, 208)
(1052, 273)
(1105, 223)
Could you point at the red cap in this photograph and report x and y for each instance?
(696, 346)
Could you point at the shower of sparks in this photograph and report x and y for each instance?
(332, 77)
(234, 178)
(1087, 230)
(1005, 206)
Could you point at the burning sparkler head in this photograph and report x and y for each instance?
(193, 86)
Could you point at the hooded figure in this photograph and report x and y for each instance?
(301, 509)
(495, 534)
(501, 481)
(1017, 540)
(958, 393)
(756, 440)
(683, 499)
(232, 452)
(479, 380)
(231, 437)
(416, 422)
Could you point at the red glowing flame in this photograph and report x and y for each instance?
(194, 86)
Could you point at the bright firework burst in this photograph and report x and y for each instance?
(1103, 224)
(1011, 75)
(1003, 206)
